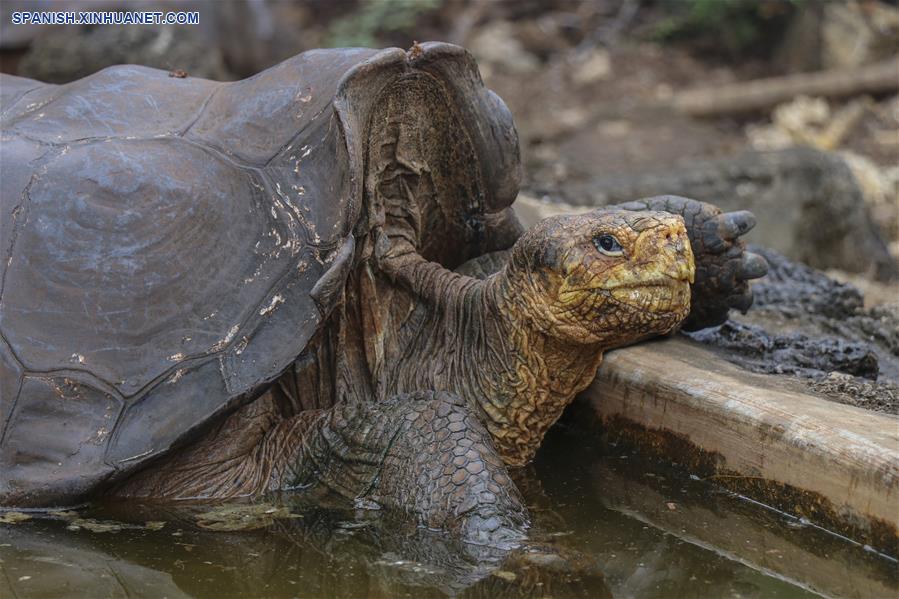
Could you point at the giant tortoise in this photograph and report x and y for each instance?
(214, 290)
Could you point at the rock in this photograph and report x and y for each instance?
(807, 121)
(595, 66)
(880, 188)
(495, 46)
(543, 37)
(256, 34)
(67, 54)
(839, 34)
(531, 210)
(856, 33)
(808, 204)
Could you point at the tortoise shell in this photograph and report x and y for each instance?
(171, 245)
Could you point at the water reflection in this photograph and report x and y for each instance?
(606, 525)
(324, 553)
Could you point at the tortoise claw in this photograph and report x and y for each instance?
(741, 302)
(735, 224)
(723, 266)
(752, 266)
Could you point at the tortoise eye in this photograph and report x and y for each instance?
(608, 245)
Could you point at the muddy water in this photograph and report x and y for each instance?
(607, 525)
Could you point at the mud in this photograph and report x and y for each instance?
(796, 353)
(805, 324)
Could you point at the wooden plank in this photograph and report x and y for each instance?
(764, 436)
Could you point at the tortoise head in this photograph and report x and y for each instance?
(607, 277)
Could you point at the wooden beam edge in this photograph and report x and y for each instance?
(759, 428)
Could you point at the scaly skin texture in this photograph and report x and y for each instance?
(519, 345)
(507, 353)
(425, 454)
(419, 386)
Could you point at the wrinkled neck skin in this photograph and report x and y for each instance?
(475, 338)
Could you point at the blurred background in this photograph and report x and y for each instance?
(786, 107)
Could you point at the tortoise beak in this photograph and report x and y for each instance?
(668, 252)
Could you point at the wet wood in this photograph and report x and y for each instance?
(760, 94)
(764, 429)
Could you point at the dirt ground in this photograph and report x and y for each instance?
(589, 114)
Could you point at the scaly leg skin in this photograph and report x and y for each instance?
(723, 266)
(425, 454)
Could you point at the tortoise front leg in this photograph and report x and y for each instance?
(723, 266)
(425, 454)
